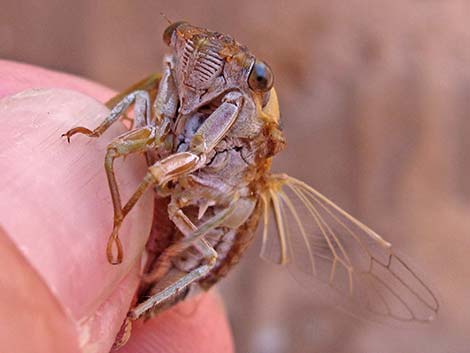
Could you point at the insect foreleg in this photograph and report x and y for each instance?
(131, 142)
(216, 126)
(166, 102)
(142, 115)
(158, 174)
(210, 256)
(147, 84)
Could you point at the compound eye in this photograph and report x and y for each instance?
(261, 77)
(168, 33)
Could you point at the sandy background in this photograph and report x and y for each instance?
(375, 98)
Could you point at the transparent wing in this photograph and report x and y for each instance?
(329, 251)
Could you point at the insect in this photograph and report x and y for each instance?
(210, 126)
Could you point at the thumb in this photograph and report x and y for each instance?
(56, 210)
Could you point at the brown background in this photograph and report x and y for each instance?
(376, 105)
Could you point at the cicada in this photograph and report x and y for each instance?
(209, 126)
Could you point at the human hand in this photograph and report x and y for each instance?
(58, 293)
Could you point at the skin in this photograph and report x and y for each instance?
(55, 221)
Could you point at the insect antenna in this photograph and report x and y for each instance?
(166, 18)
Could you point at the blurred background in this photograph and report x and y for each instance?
(375, 100)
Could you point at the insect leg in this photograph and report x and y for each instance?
(193, 236)
(142, 110)
(217, 124)
(147, 84)
(158, 174)
(210, 256)
(166, 102)
(138, 140)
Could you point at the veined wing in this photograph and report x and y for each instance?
(326, 248)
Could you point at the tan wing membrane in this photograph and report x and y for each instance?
(329, 251)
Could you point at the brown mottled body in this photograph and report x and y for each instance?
(208, 136)
(237, 164)
(252, 178)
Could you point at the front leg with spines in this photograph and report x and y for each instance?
(138, 140)
(216, 126)
(142, 115)
(158, 174)
(166, 101)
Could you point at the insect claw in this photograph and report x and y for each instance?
(67, 136)
(79, 130)
(114, 240)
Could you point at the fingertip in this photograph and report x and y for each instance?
(57, 208)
